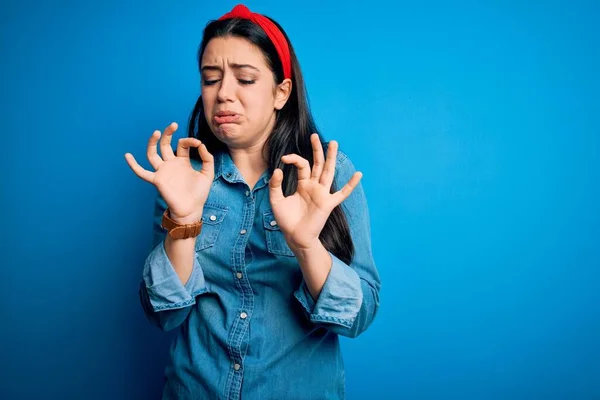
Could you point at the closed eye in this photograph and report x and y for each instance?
(242, 81)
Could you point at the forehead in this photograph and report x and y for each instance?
(233, 50)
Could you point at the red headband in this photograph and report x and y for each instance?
(241, 11)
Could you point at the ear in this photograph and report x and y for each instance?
(282, 93)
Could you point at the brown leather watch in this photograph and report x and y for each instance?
(180, 231)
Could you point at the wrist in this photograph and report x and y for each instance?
(186, 220)
(306, 248)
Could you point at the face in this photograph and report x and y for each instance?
(239, 93)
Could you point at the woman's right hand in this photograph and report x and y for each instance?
(184, 189)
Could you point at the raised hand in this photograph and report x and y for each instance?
(184, 189)
(302, 216)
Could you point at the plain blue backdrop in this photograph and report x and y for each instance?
(477, 130)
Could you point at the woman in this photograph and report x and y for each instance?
(255, 259)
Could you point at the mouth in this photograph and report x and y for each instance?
(224, 117)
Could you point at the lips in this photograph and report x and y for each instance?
(224, 117)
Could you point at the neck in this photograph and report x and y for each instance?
(250, 162)
(249, 158)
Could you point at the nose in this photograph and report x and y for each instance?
(226, 91)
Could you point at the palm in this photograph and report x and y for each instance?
(184, 189)
(305, 212)
(303, 215)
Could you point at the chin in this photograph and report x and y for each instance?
(227, 132)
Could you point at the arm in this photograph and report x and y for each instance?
(348, 299)
(172, 277)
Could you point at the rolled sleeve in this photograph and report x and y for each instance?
(349, 299)
(340, 299)
(165, 289)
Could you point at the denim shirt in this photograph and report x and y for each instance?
(248, 327)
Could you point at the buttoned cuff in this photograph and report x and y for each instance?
(165, 289)
(340, 299)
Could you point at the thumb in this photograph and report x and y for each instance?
(275, 190)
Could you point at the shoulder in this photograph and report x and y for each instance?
(342, 159)
(343, 164)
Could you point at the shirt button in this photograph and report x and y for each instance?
(213, 217)
(243, 231)
(243, 315)
(273, 223)
(247, 193)
(236, 366)
(239, 275)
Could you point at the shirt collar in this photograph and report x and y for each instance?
(226, 169)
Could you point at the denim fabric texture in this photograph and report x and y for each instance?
(247, 326)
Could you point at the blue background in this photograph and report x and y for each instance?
(477, 130)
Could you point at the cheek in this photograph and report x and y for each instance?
(207, 100)
(207, 103)
(258, 103)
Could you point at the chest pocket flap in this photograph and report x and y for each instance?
(276, 243)
(212, 219)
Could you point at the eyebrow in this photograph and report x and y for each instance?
(234, 66)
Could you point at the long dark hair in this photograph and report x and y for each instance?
(291, 133)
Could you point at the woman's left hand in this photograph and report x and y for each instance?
(302, 216)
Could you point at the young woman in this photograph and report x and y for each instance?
(262, 253)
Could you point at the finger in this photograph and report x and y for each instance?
(318, 157)
(151, 153)
(275, 189)
(165, 142)
(300, 163)
(137, 168)
(344, 192)
(329, 169)
(183, 146)
(208, 161)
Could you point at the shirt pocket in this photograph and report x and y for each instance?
(276, 243)
(212, 220)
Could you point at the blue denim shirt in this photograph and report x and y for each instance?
(248, 327)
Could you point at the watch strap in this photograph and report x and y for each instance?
(180, 231)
